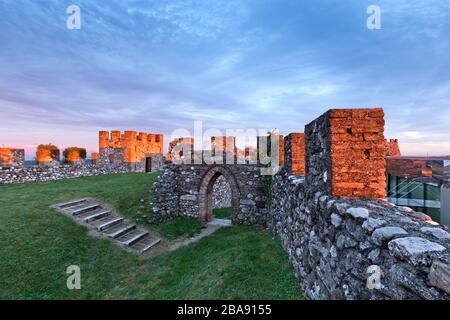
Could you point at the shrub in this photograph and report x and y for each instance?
(43, 149)
(81, 151)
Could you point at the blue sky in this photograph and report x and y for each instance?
(156, 66)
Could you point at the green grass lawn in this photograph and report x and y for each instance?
(222, 213)
(38, 244)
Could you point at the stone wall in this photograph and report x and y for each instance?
(189, 186)
(156, 161)
(332, 243)
(343, 240)
(56, 172)
(165, 196)
(176, 147)
(221, 193)
(113, 156)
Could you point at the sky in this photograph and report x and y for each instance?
(157, 66)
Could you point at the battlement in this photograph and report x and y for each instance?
(392, 148)
(94, 157)
(116, 139)
(221, 146)
(348, 147)
(294, 151)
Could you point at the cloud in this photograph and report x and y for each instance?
(160, 65)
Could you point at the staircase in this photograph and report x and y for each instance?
(105, 221)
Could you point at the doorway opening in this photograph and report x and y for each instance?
(224, 197)
(221, 199)
(148, 164)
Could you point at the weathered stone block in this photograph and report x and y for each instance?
(438, 233)
(371, 224)
(439, 276)
(384, 234)
(413, 249)
(188, 197)
(358, 213)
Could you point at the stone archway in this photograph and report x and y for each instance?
(205, 192)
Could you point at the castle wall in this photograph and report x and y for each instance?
(337, 245)
(130, 148)
(179, 193)
(94, 157)
(294, 145)
(343, 239)
(392, 148)
(14, 175)
(348, 146)
(173, 154)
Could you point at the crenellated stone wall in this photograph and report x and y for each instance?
(343, 239)
(130, 147)
(294, 146)
(335, 244)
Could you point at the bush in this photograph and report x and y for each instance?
(54, 150)
(80, 151)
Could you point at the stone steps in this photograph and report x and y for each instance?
(88, 213)
(107, 222)
(84, 209)
(146, 244)
(71, 203)
(104, 221)
(119, 230)
(96, 216)
(132, 237)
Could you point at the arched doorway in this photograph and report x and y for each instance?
(206, 187)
